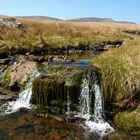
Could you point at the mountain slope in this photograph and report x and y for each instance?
(38, 18)
(95, 19)
(92, 19)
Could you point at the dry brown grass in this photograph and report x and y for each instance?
(61, 34)
(120, 69)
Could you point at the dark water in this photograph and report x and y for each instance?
(30, 125)
(79, 63)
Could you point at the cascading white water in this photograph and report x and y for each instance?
(98, 126)
(24, 97)
(84, 110)
(98, 107)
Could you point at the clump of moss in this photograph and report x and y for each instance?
(120, 71)
(128, 121)
(7, 78)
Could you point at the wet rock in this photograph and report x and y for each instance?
(54, 88)
(6, 61)
(60, 119)
(6, 95)
(17, 75)
(104, 46)
(107, 47)
(71, 118)
(49, 58)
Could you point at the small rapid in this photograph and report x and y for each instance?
(93, 122)
(24, 97)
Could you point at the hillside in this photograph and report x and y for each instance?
(38, 18)
(95, 19)
(92, 19)
(82, 19)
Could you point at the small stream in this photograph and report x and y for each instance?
(94, 122)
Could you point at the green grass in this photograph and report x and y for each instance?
(128, 121)
(55, 35)
(120, 70)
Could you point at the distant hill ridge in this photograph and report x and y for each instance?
(38, 17)
(95, 19)
(83, 19)
(91, 19)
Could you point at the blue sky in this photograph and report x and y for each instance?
(126, 10)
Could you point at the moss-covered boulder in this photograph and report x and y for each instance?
(128, 121)
(16, 75)
(59, 87)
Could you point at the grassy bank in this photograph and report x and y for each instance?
(120, 70)
(56, 35)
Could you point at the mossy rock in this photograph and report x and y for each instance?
(128, 121)
(54, 88)
(59, 87)
(16, 75)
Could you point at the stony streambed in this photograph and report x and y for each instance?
(32, 125)
(57, 80)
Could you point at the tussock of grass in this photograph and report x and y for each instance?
(120, 70)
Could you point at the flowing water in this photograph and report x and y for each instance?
(24, 97)
(84, 110)
(94, 120)
(98, 125)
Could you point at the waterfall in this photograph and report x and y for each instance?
(98, 124)
(98, 107)
(84, 110)
(24, 96)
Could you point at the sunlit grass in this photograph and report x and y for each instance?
(61, 34)
(120, 70)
